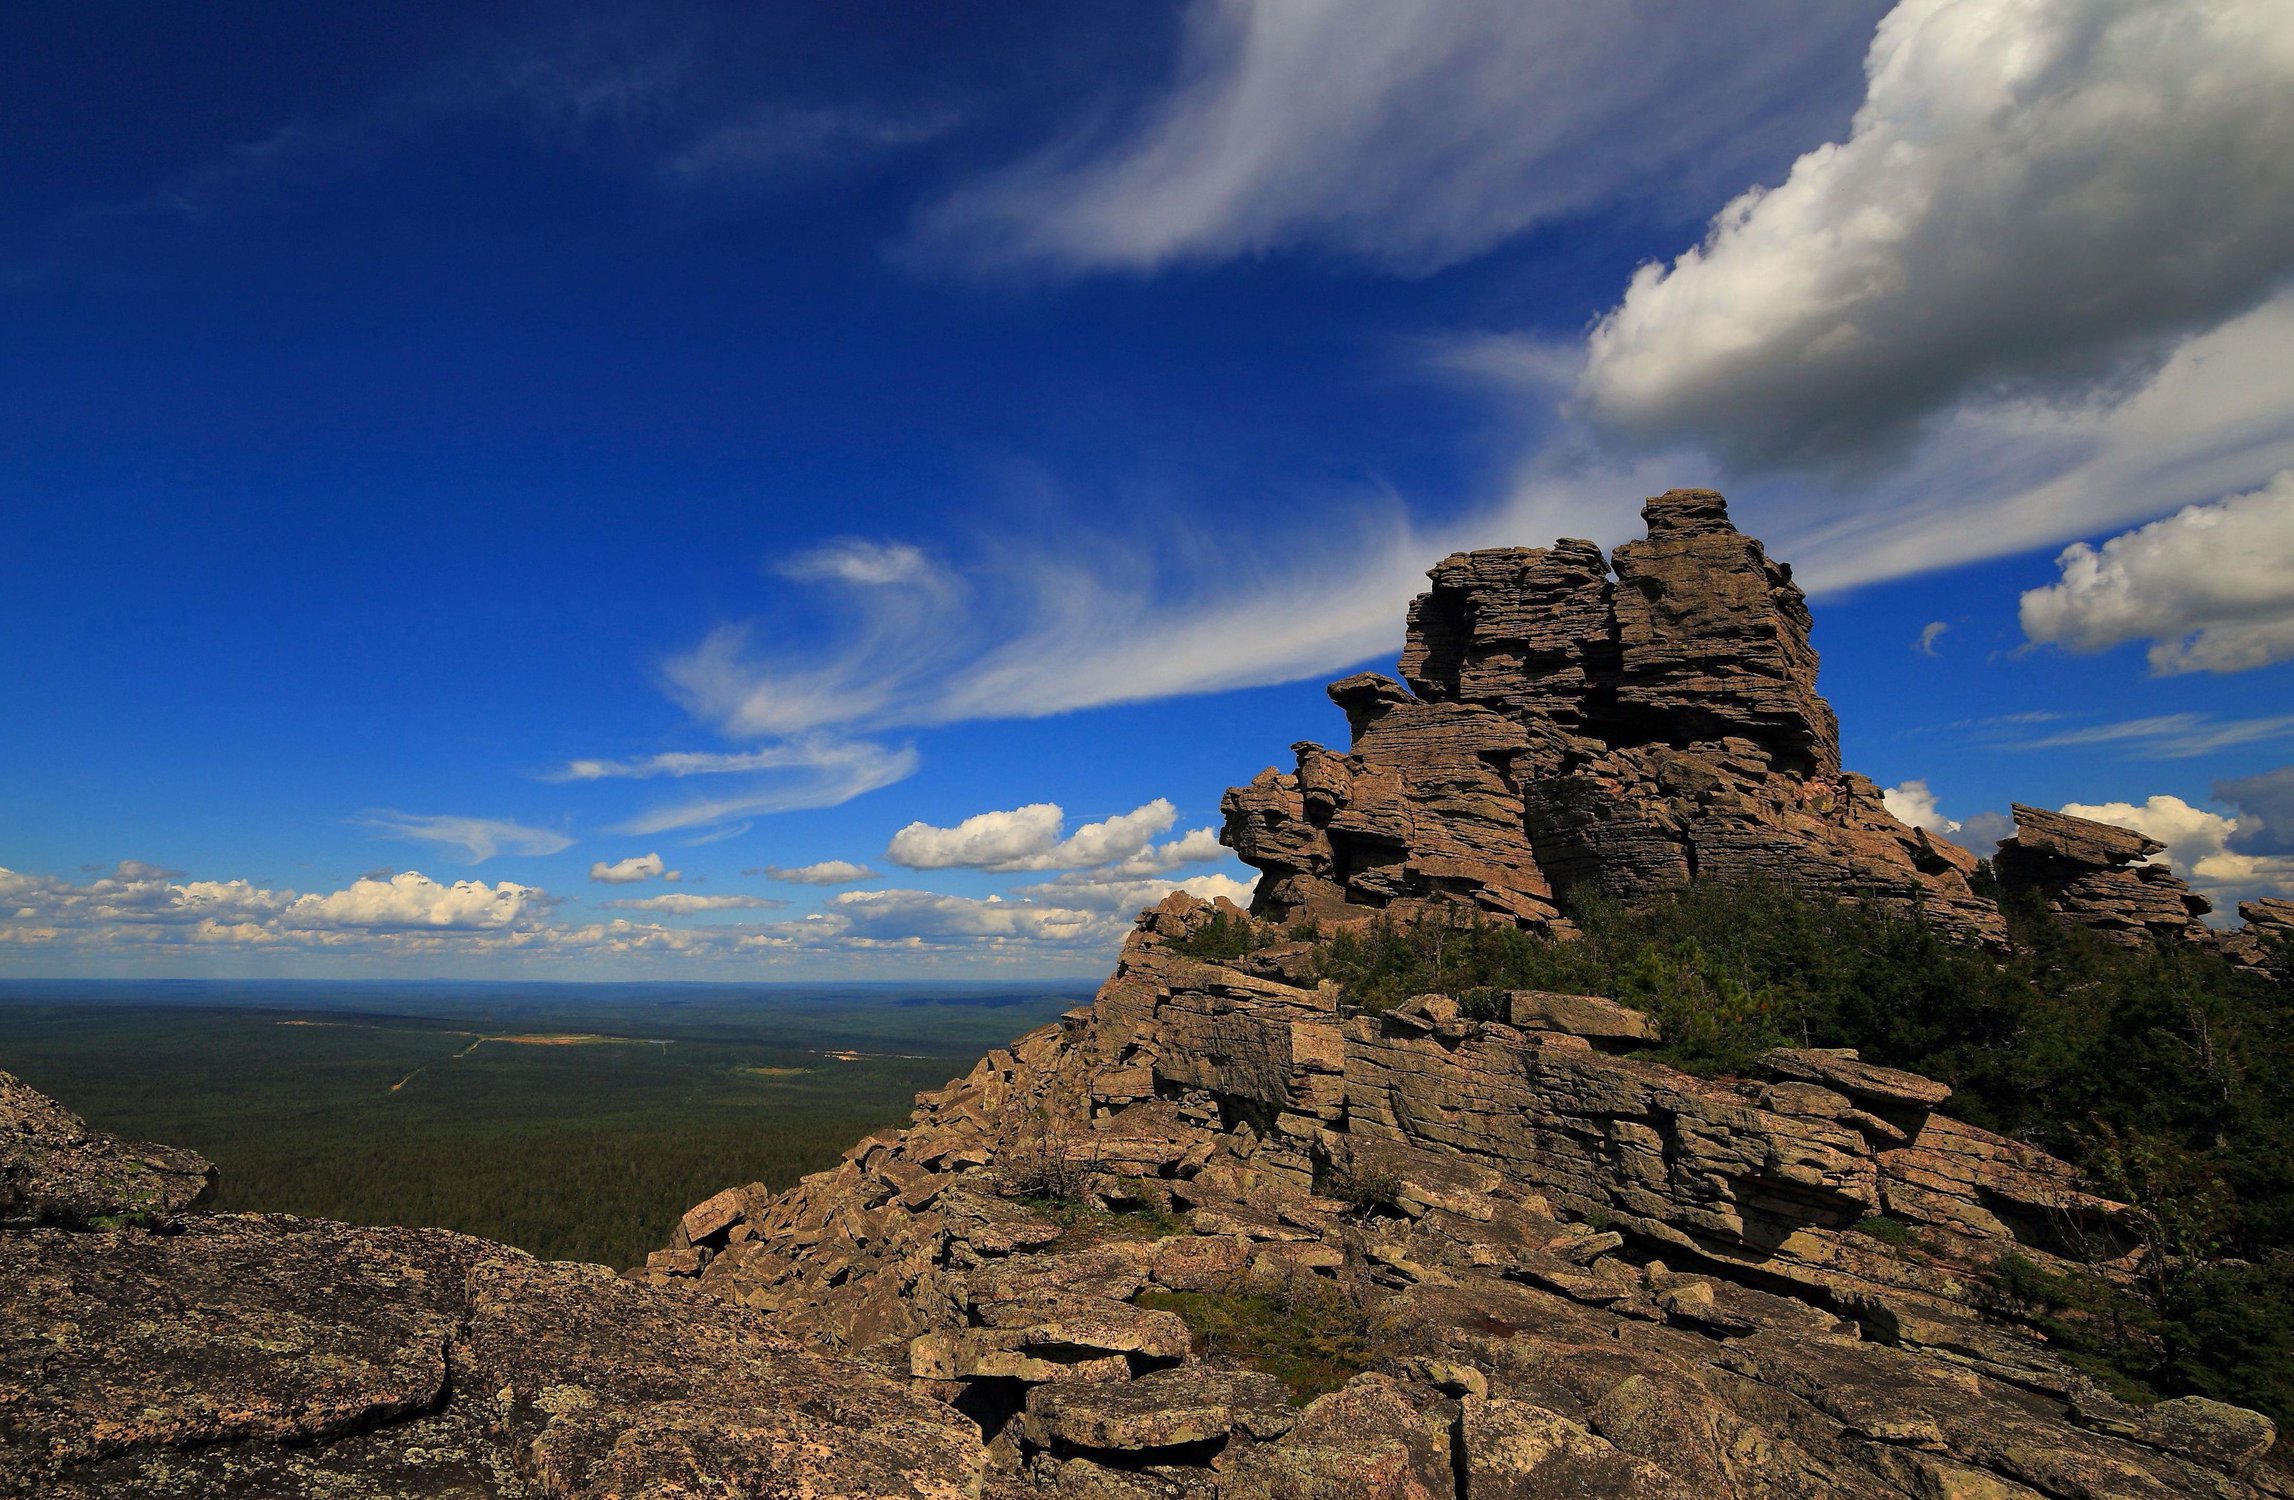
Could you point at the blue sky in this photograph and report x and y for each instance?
(452, 453)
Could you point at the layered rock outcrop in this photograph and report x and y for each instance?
(2098, 876)
(1567, 1269)
(1620, 725)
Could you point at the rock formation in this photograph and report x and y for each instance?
(1618, 725)
(1576, 1271)
(2098, 876)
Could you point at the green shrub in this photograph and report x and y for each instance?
(1888, 1231)
(1223, 937)
(2164, 1073)
(1312, 1337)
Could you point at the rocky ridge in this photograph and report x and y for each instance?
(1547, 1263)
(1583, 1272)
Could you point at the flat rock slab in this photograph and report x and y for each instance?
(1172, 1409)
(267, 1355)
(1845, 1072)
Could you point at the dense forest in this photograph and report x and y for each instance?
(2164, 1073)
(578, 1125)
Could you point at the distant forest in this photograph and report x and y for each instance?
(389, 1105)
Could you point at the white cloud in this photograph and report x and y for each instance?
(2211, 587)
(820, 773)
(1930, 633)
(1413, 133)
(478, 838)
(2007, 476)
(1099, 890)
(1029, 838)
(931, 916)
(630, 871)
(988, 841)
(826, 872)
(408, 922)
(1913, 803)
(414, 900)
(2166, 736)
(860, 562)
(682, 763)
(2198, 847)
(685, 903)
(2034, 192)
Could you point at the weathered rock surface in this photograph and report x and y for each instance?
(2097, 875)
(1575, 1271)
(272, 1356)
(54, 1170)
(1617, 724)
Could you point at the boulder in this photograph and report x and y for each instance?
(54, 1170)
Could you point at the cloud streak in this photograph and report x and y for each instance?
(1409, 133)
(479, 839)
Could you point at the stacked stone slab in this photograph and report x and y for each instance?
(1617, 725)
(2099, 876)
(1583, 1272)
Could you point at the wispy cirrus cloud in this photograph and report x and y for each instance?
(1409, 133)
(479, 839)
(687, 903)
(819, 773)
(826, 872)
(2165, 736)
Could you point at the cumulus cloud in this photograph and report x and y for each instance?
(414, 900)
(1912, 802)
(926, 916)
(1103, 891)
(239, 910)
(479, 839)
(2199, 847)
(1412, 133)
(2211, 587)
(988, 841)
(826, 872)
(685, 903)
(1031, 838)
(412, 918)
(630, 871)
(2265, 806)
(2034, 192)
